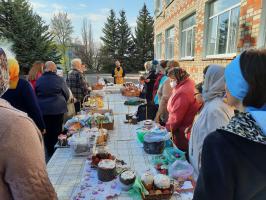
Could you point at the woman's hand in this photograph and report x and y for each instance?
(157, 119)
(147, 80)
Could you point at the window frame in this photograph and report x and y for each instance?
(166, 41)
(193, 35)
(156, 43)
(224, 55)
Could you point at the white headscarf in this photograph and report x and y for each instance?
(4, 74)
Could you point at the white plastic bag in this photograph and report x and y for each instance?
(180, 169)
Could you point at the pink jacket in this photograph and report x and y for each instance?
(182, 107)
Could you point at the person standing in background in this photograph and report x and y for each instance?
(164, 93)
(23, 174)
(35, 73)
(182, 106)
(21, 95)
(160, 80)
(77, 83)
(214, 114)
(150, 67)
(118, 73)
(232, 162)
(52, 93)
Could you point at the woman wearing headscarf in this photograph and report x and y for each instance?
(160, 80)
(160, 73)
(150, 68)
(213, 115)
(164, 93)
(23, 174)
(182, 106)
(21, 95)
(233, 162)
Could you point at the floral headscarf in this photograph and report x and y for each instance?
(179, 73)
(4, 75)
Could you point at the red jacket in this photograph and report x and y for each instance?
(156, 85)
(182, 107)
(33, 82)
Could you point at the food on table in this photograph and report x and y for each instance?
(157, 192)
(100, 156)
(162, 169)
(147, 180)
(102, 137)
(62, 139)
(128, 177)
(96, 101)
(162, 181)
(106, 170)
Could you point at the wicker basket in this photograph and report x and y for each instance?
(108, 126)
(159, 196)
(130, 92)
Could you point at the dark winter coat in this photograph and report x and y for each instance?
(233, 162)
(52, 94)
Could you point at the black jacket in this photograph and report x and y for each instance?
(52, 94)
(143, 93)
(23, 98)
(152, 76)
(233, 165)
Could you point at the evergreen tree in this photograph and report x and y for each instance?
(144, 37)
(28, 33)
(125, 42)
(110, 35)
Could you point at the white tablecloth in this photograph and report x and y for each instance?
(65, 171)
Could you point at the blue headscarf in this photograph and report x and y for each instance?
(238, 88)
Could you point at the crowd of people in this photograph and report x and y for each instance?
(220, 123)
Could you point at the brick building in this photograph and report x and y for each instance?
(200, 32)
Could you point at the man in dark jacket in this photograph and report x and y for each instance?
(77, 83)
(52, 94)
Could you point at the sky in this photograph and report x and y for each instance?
(96, 11)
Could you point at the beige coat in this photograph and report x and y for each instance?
(164, 94)
(22, 164)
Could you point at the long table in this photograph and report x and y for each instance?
(65, 171)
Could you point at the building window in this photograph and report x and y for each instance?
(169, 43)
(188, 37)
(223, 24)
(159, 46)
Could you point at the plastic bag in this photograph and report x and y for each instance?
(180, 169)
(81, 145)
(141, 132)
(172, 154)
(156, 137)
(137, 189)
